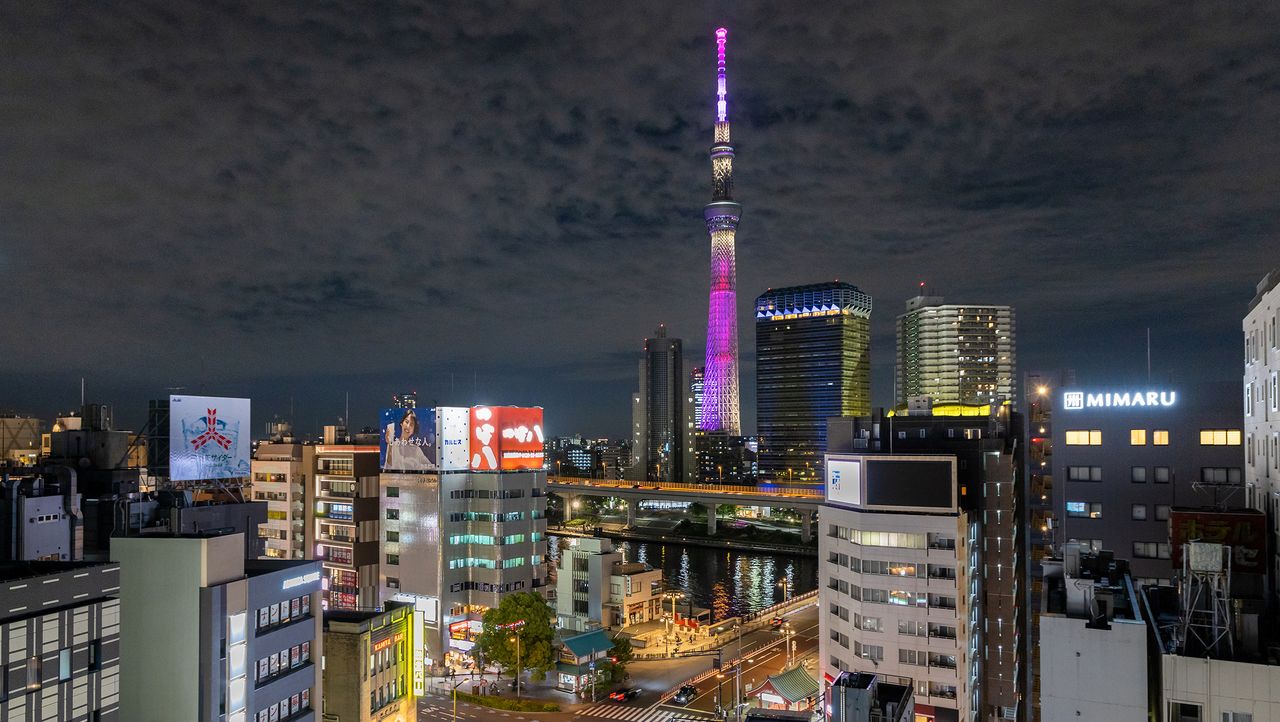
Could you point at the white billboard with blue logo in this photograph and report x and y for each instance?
(208, 438)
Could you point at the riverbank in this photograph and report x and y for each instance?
(614, 531)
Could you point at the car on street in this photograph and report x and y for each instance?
(776, 623)
(624, 694)
(685, 694)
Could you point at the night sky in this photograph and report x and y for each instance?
(496, 202)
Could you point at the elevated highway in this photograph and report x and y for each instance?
(804, 499)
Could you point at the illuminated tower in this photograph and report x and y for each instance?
(720, 393)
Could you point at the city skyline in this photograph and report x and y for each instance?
(351, 203)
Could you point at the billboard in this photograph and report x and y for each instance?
(844, 481)
(453, 434)
(208, 438)
(1245, 531)
(911, 481)
(506, 438)
(407, 440)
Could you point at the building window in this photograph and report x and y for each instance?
(1085, 509)
(1248, 399)
(1138, 474)
(393, 514)
(393, 536)
(1160, 437)
(64, 664)
(1140, 512)
(393, 491)
(1145, 550)
(1237, 717)
(1089, 437)
(1084, 473)
(1162, 475)
(1220, 437)
(1220, 475)
(1162, 512)
(33, 673)
(1137, 437)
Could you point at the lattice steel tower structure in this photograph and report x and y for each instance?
(720, 391)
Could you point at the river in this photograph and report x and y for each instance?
(729, 582)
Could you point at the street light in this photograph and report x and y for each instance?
(786, 589)
(720, 468)
(673, 596)
(515, 637)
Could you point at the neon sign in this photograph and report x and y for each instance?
(1076, 400)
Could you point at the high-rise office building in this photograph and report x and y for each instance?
(60, 622)
(1039, 388)
(1262, 404)
(923, 565)
(697, 386)
(659, 411)
(720, 402)
(956, 353)
(813, 362)
(406, 400)
(207, 636)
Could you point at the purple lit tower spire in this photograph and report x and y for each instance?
(720, 390)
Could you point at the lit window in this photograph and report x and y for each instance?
(1220, 437)
(1084, 437)
(1137, 437)
(1160, 437)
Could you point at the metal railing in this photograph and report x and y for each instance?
(763, 490)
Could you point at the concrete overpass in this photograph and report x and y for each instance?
(804, 499)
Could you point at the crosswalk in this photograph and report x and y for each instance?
(625, 713)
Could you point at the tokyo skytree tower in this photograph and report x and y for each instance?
(720, 390)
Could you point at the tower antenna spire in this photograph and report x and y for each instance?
(722, 88)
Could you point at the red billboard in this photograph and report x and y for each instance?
(1245, 531)
(506, 438)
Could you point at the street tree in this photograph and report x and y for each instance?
(527, 616)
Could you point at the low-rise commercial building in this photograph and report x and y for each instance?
(596, 587)
(60, 641)
(1262, 405)
(1124, 457)
(280, 480)
(347, 521)
(368, 665)
(1093, 637)
(211, 637)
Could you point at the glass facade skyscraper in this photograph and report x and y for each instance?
(813, 362)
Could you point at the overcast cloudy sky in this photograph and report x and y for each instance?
(496, 202)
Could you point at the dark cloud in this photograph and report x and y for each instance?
(501, 200)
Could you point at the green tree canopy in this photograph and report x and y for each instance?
(500, 626)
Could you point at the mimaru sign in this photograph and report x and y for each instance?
(1076, 400)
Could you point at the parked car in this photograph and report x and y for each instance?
(624, 694)
(685, 694)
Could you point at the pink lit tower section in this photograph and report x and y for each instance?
(720, 392)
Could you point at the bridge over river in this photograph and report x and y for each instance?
(804, 499)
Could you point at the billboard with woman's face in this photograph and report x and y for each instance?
(408, 440)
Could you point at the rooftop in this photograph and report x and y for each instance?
(364, 617)
(1094, 587)
(1267, 283)
(793, 685)
(14, 571)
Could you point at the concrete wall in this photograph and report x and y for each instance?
(1092, 674)
(1220, 686)
(160, 583)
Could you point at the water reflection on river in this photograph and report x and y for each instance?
(729, 582)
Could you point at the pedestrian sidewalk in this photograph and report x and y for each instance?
(543, 691)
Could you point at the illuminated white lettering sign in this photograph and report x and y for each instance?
(299, 581)
(1075, 400)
